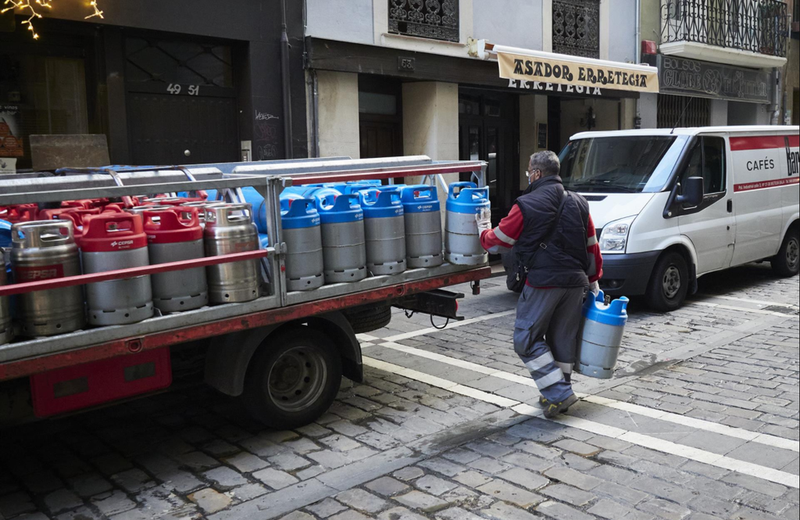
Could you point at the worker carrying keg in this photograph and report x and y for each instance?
(557, 258)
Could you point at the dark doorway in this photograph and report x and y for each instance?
(380, 117)
(489, 131)
(553, 124)
(181, 101)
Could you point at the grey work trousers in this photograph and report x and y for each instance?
(546, 335)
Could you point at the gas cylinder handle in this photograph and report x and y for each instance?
(480, 193)
(460, 186)
(366, 196)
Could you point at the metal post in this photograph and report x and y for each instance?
(271, 193)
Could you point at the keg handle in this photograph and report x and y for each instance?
(42, 231)
(224, 214)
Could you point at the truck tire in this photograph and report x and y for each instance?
(368, 317)
(292, 379)
(668, 284)
(787, 262)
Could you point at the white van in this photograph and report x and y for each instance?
(672, 205)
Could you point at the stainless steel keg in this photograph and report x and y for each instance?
(42, 250)
(229, 229)
(113, 241)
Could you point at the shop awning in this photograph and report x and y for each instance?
(562, 69)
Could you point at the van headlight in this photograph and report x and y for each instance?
(614, 237)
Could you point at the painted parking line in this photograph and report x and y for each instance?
(699, 424)
(759, 302)
(743, 309)
(646, 441)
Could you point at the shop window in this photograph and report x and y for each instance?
(576, 27)
(39, 95)
(434, 19)
(178, 62)
(707, 160)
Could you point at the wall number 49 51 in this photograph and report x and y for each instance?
(191, 90)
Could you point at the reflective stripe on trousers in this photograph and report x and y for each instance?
(545, 336)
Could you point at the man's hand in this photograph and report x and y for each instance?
(594, 288)
(484, 220)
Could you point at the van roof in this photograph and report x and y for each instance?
(747, 129)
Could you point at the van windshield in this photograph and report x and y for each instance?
(616, 164)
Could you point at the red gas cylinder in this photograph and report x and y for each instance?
(19, 213)
(79, 212)
(174, 235)
(113, 241)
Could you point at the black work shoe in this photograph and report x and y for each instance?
(543, 402)
(554, 409)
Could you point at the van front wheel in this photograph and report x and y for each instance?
(668, 283)
(787, 261)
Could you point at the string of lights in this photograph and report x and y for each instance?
(35, 7)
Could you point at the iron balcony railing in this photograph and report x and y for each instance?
(760, 26)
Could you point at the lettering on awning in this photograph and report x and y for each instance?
(577, 74)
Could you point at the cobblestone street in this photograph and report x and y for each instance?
(699, 422)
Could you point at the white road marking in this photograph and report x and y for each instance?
(739, 433)
(688, 452)
(747, 300)
(440, 382)
(743, 309)
(429, 330)
(366, 337)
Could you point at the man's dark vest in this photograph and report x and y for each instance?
(565, 261)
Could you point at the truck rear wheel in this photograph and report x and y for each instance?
(668, 283)
(787, 261)
(292, 379)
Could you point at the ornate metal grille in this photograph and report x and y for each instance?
(435, 19)
(576, 27)
(682, 111)
(750, 25)
(178, 62)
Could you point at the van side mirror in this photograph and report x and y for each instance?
(691, 192)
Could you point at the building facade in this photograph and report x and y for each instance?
(389, 77)
(791, 74)
(720, 63)
(178, 82)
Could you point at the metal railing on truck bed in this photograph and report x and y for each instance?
(23, 358)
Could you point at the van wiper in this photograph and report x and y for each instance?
(605, 186)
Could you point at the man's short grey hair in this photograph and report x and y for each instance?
(547, 162)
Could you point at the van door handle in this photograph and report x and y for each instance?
(730, 206)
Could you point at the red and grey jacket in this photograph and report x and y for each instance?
(564, 263)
